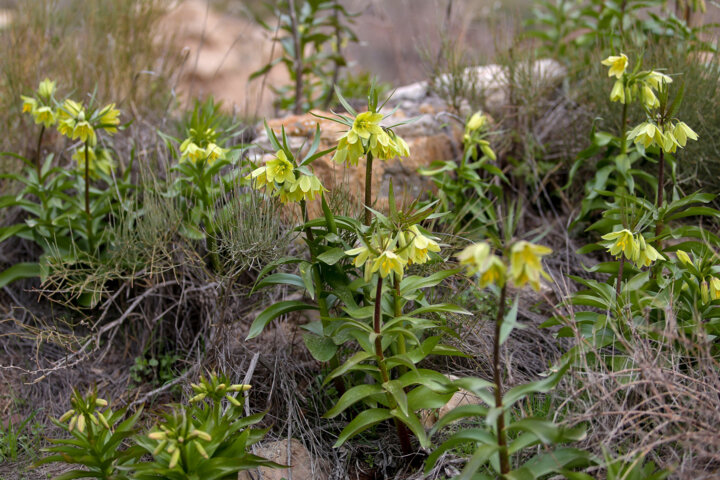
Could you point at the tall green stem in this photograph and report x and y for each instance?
(402, 431)
(402, 348)
(368, 188)
(619, 277)
(660, 193)
(497, 379)
(623, 144)
(38, 165)
(88, 215)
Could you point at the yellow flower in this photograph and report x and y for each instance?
(388, 262)
(279, 169)
(683, 257)
(647, 133)
(525, 264)
(656, 79)
(476, 122)
(306, 187)
(365, 125)
(99, 160)
(29, 104)
(84, 131)
(494, 272)
(622, 242)
(618, 92)
(108, 118)
(191, 151)
(418, 246)
(213, 153)
(474, 256)
(646, 253)
(260, 178)
(44, 115)
(46, 89)
(617, 64)
(648, 97)
(70, 109)
(347, 152)
(670, 143)
(715, 288)
(682, 132)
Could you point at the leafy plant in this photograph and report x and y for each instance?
(208, 438)
(305, 28)
(97, 435)
(503, 436)
(66, 218)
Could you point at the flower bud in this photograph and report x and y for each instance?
(157, 436)
(160, 447)
(200, 449)
(174, 459)
(101, 403)
(66, 415)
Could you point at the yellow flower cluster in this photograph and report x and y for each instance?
(82, 410)
(211, 153)
(633, 246)
(367, 136)
(385, 256)
(283, 180)
(41, 105)
(171, 441)
(525, 264)
(75, 123)
(668, 138)
(641, 86)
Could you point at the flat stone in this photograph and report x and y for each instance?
(302, 466)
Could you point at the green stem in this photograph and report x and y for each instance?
(497, 379)
(623, 144)
(88, 215)
(402, 348)
(660, 194)
(619, 277)
(368, 188)
(38, 166)
(377, 325)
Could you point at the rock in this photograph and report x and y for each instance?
(461, 397)
(231, 49)
(6, 18)
(302, 465)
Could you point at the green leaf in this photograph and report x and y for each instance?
(280, 279)
(352, 396)
(321, 348)
(11, 231)
(362, 422)
(275, 311)
(510, 322)
(348, 365)
(18, 272)
(412, 283)
(540, 386)
(332, 256)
